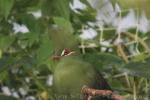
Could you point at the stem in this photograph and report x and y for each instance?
(89, 98)
(82, 46)
(122, 53)
(95, 92)
(146, 87)
(101, 36)
(142, 42)
(134, 90)
(127, 79)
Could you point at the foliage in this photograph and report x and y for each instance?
(25, 57)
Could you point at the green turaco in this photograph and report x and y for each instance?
(72, 72)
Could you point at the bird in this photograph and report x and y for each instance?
(72, 73)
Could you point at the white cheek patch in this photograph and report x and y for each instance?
(62, 53)
(70, 53)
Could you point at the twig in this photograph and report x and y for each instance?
(142, 42)
(122, 53)
(117, 97)
(94, 92)
(134, 90)
(89, 97)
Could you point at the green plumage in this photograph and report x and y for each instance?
(61, 39)
(62, 35)
(72, 73)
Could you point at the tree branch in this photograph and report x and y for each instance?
(94, 92)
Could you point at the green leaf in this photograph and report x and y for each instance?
(87, 15)
(3, 97)
(103, 60)
(139, 57)
(45, 50)
(141, 69)
(36, 5)
(6, 63)
(115, 83)
(56, 8)
(29, 39)
(85, 2)
(5, 7)
(31, 22)
(6, 41)
(4, 75)
(1, 53)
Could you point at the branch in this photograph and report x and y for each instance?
(122, 53)
(94, 92)
(142, 42)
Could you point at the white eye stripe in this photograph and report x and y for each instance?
(62, 53)
(69, 53)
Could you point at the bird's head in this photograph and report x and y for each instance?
(65, 52)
